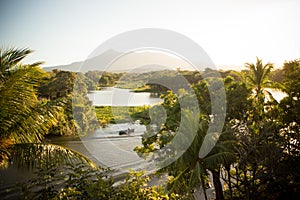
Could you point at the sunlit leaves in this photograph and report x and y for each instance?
(23, 117)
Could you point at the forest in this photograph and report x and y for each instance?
(255, 156)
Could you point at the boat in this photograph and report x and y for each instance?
(126, 132)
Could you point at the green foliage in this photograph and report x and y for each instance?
(173, 112)
(91, 79)
(111, 115)
(262, 134)
(291, 74)
(69, 91)
(237, 99)
(25, 155)
(136, 187)
(277, 76)
(108, 79)
(257, 155)
(189, 171)
(82, 182)
(259, 74)
(236, 76)
(258, 80)
(23, 117)
(68, 182)
(58, 84)
(266, 143)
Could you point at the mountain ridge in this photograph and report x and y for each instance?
(115, 61)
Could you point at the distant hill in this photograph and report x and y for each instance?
(91, 64)
(114, 61)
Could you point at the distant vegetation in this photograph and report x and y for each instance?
(256, 157)
(258, 151)
(108, 115)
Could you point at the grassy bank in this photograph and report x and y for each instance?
(121, 114)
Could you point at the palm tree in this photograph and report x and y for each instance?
(21, 114)
(190, 170)
(259, 78)
(24, 119)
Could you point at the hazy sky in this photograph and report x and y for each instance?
(232, 32)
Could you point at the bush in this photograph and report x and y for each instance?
(77, 181)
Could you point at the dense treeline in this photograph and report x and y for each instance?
(256, 155)
(35, 104)
(58, 88)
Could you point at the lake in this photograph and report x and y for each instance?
(112, 96)
(277, 94)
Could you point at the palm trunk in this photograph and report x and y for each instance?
(217, 184)
(203, 186)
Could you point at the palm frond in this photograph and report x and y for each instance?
(10, 57)
(22, 116)
(180, 184)
(195, 177)
(32, 155)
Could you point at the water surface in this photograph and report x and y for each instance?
(112, 96)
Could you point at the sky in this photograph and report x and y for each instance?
(232, 32)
